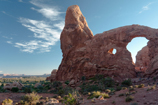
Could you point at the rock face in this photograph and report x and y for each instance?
(142, 59)
(53, 75)
(88, 55)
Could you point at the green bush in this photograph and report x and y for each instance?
(7, 102)
(15, 89)
(67, 82)
(127, 82)
(129, 98)
(27, 90)
(109, 82)
(72, 98)
(89, 88)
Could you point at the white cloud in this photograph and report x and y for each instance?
(144, 8)
(9, 42)
(20, 0)
(46, 34)
(49, 13)
(1, 71)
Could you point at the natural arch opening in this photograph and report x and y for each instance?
(136, 47)
(112, 51)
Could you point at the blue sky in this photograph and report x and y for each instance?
(30, 29)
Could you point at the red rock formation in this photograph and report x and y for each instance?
(142, 59)
(88, 55)
(53, 75)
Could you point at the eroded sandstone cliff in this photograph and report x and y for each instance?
(88, 55)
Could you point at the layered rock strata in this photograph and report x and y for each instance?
(88, 55)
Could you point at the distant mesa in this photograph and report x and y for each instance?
(88, 55)
(21, 75)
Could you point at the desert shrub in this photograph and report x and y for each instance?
(108, 82)
(118, 88)
(61, 92)
(151, 88)
(107, 90)
(141, 86)
(131, 88)
(133, 92)
(15, 89)
(72, 98)
(121, 94)
(7, 102)
(129, 98)
(89, 88)
(135, 86)
(31, 97)
(127, 82)
(124, 88)
(27, 89)
(56, 84)
(96, 94)
(21, 102)
(67, 82)
(89, 93)
(127, 93)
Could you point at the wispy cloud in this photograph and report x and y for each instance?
(1, 71)
(7, 37)
(7, 14)
(9, 42)
(20, 0)
(46, 34)
(144, 8)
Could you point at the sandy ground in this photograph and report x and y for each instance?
(142, 97)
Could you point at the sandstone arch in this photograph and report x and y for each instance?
(85, 54)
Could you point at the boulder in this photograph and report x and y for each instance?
(88, 55)
(9, 86)
(52, 101)
(72, 82)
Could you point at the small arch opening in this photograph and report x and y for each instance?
(112, 51)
